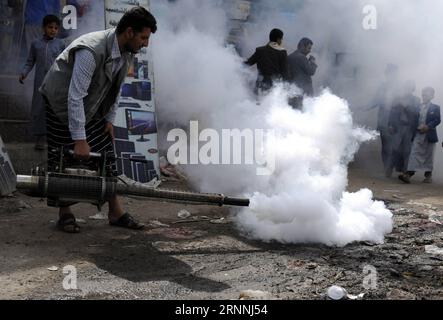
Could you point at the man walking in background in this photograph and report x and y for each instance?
(403, 123)
(423, 146)
(384, 98)
(271, 61)
(301, 68)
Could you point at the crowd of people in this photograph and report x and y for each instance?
(407, 126)
(406, 123)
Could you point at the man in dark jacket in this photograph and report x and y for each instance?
(301, 68)
(423, 146)
(385, 95)
(271, 61)
(402, 125)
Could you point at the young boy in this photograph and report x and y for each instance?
(42, 54)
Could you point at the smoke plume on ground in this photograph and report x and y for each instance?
(305, 198)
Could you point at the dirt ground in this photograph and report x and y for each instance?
(200, 259)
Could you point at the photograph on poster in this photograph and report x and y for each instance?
(140, 122)
(138, 90)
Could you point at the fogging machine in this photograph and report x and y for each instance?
(77, 183)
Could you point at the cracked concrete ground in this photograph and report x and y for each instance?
(205, 260)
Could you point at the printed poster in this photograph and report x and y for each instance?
(135, 126)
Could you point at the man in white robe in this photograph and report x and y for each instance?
(425, 140)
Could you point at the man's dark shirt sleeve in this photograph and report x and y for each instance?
(252, 60)
(307, 66)
(436, 119)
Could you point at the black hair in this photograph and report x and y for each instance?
(137, 18)
(275, 34)
(50, 18)
(303, 43)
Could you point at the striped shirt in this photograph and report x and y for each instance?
(84, 68)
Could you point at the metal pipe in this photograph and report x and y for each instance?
(99, 189)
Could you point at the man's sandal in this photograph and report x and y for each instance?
(127, 221)
(67, 223)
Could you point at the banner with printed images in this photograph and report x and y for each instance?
(135, 126)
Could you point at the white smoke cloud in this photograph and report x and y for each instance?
(199, 78)
(305, 200)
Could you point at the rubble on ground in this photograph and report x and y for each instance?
(202, 255)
